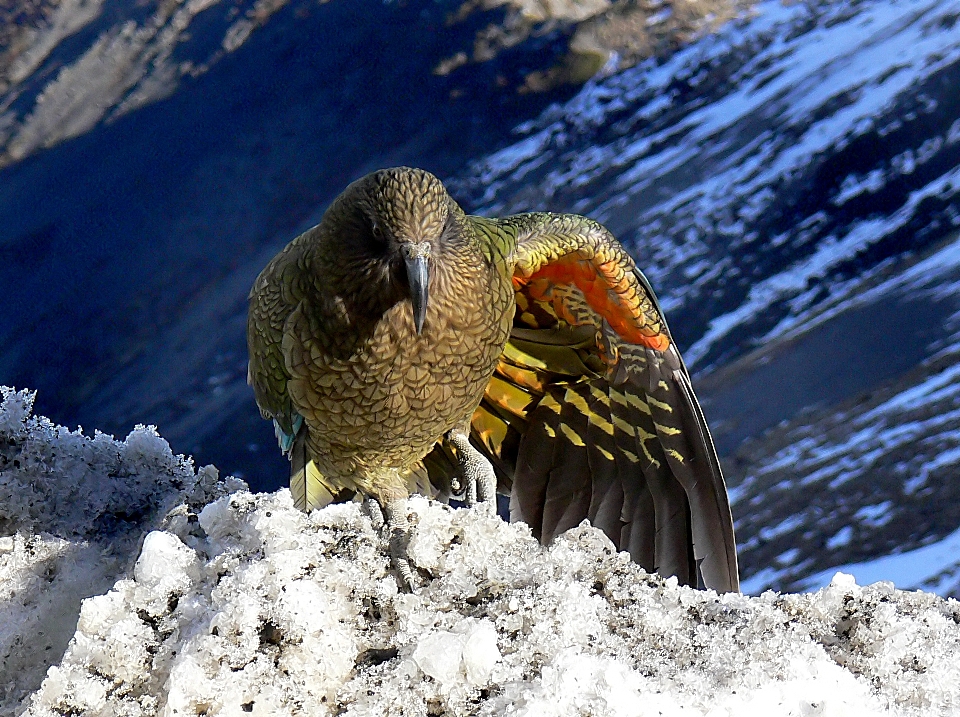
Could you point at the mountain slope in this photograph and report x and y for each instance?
(790, 185)
(763, 171)
(155, 155)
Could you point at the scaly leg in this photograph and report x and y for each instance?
(372, 508)
(481, 481)
(399, 527)
(393, 516)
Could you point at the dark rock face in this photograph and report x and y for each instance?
(789, 184)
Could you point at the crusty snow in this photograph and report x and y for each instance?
(236, 604)
(251, 606)
(73, 510)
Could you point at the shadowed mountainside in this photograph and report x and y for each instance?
(159, 153)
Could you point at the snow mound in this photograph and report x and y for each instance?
(248, 606)
(73, 510)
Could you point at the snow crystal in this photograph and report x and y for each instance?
(15, 410)
(165, 564)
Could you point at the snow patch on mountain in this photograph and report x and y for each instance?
(934, 567)
(761, 171)
(876, 473)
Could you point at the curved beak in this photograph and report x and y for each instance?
(416, 258)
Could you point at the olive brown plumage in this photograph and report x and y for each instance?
(403, 346)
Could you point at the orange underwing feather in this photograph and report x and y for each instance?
(612, 292)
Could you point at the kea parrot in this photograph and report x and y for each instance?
(402, 345)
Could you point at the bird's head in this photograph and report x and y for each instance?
(396, 220)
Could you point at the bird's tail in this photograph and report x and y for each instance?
(307, 484)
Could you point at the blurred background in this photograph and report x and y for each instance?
(786, 173)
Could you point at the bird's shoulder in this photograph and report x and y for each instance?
(494, 239)
(286, 276)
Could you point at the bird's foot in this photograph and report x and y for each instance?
(476, 472)
(392, 517)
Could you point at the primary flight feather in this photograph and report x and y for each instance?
(403, 346)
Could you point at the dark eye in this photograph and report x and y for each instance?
(377, 232)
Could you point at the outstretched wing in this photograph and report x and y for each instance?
(591, 413)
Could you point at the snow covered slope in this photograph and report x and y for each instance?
(877, 474)
(763, 172)
(200, 598)
(73, 510)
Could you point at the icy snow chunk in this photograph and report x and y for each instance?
(843, 581)
(62, 482)
(439, 655)
(165, 564)
(480, 652)
(221, 519)
(434, 532)
(111, 642)
(145, 446)
(469, 650)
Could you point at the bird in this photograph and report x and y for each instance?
(403, 346)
